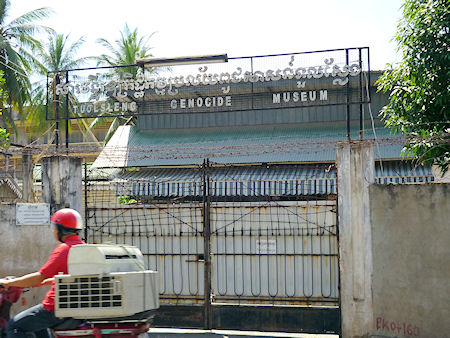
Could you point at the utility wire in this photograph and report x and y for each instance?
(377, 144)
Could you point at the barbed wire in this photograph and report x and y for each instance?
(214, 150)
(111, 221)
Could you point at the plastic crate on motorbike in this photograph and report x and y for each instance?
(105, 281)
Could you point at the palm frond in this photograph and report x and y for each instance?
(16, 60)
(32, 16)
(4, 7)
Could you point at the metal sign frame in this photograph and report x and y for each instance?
(278, 81)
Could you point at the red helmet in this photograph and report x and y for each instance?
(68, 218)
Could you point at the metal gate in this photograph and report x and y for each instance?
(226, 252)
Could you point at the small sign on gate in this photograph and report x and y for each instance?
(266, 246)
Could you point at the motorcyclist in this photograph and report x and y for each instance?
(67, 223)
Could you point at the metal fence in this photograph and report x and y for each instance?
(210, 248)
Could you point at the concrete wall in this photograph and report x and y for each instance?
(411, 264)
(394, 245)
(23, 250)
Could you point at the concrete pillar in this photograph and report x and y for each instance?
(356, 171)
(62, 182)
(27, 179)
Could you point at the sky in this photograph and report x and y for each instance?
(236, 27)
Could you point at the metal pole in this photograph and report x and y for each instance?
(207, 244)
(348, 97)
(85, 203)
(46, 105)
(67, 114)
(368, 73)
(56, 105)
(252, 96)
(361, 131)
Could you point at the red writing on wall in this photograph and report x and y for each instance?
(398, 328)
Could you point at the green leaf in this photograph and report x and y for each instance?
(419, 84)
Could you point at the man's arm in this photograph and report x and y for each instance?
(32, 279)
(47, 281)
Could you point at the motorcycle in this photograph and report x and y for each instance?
(7, 298)
(130, 326)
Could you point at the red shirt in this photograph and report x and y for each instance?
(56, 264)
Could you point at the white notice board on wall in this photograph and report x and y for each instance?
(32, 214)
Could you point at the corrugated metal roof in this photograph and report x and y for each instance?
(402, 172)
(259, 117)
(278, 180)
(229, 181)
(315, 142)
(92, 173)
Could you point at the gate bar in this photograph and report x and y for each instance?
(207, 244)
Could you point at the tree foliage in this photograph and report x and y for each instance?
(4, 135)
(4, 138)
(123, 52)
(16, 41)
(419, 85)
(58, 53)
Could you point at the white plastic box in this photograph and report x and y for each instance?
(86, 259)
(105, 281)
(114, 294)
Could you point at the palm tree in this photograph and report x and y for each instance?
(56, 55)
(16, 39)
(123, 52)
